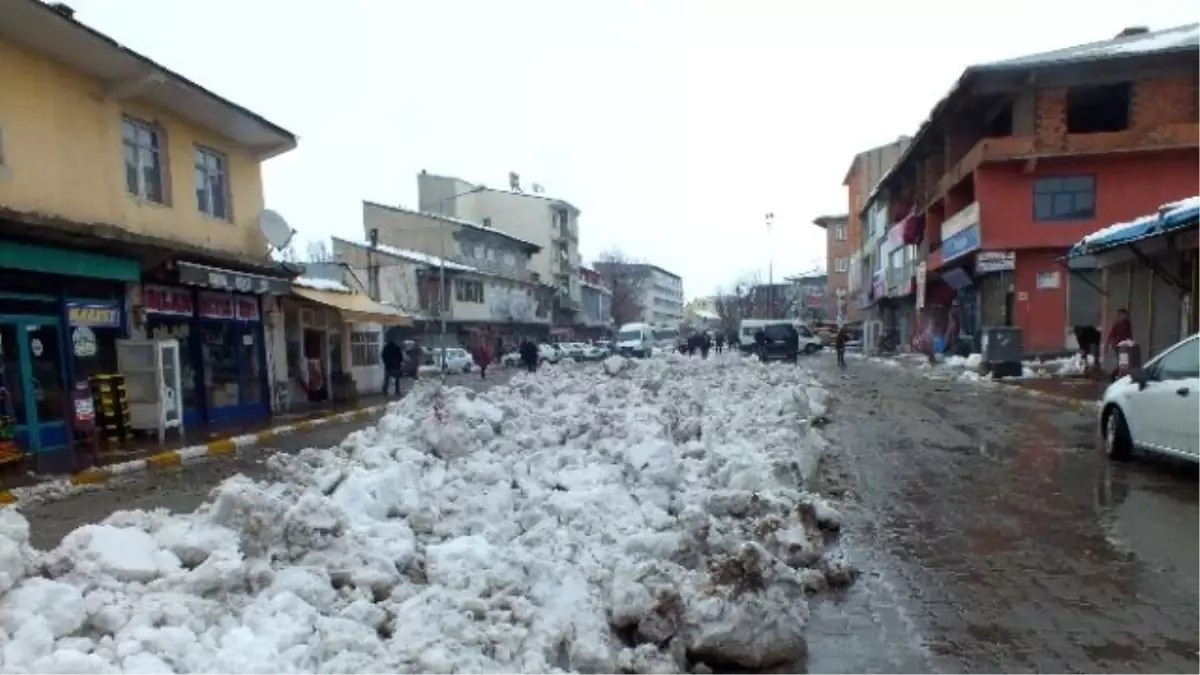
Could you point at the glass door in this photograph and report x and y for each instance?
(14, 430)
(34, 389)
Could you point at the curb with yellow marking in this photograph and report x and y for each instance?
(175, 458)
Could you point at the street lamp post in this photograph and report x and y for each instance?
(770, 218)
(442, 270)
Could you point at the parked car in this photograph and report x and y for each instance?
(604, 346)
(574, 350)
(636, 340)
(1156, 407)
(511, 359)
(458, 360)
(549, 353)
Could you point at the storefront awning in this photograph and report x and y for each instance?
(355, 307)
(1169, 218)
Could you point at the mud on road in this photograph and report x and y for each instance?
(993, 536)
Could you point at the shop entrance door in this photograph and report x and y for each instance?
(35, 394)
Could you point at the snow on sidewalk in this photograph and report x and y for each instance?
(635, 517)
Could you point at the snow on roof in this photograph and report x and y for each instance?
(1169, 216)
(413, 256)
(1177, 38)
(457, 221)
(705, 314)
(318, 284)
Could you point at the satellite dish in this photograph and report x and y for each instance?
(276, 230)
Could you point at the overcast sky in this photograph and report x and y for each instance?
(673, 124)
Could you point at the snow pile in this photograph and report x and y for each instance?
(642, 516)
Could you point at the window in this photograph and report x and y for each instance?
(477, 252)
(1064, 198)
(1093, 110)
(143, 160)
(839, 233)
(466, 290)
(212, 184)
(364, 349)
(841, 264)
(1179, 363)
(510, 259)
(491, 254)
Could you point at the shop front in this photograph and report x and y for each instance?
(222, 341)
(61, 312)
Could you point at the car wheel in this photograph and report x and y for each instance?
(1118, 444)
(810, 348)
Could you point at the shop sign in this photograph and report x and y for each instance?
(94, 314)
(246, 309)
(968, 216)
(879, 284)
(995, 261)
(920, 282)
(228, 280)
(216, 306)
(167, 300)
(960, 244)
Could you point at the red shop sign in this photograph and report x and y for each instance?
(216, 306)
(167, 300)
(246, 308)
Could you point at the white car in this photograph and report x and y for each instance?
(512, 359)
(1157, 406)
(574, 350)
(550, 353)
(594, 353)
(457, 360)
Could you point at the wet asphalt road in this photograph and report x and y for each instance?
(183, 489)
(994, 537)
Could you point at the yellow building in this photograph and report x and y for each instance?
(130, 200)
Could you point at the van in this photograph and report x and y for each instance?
(635, 339)
(809, 342)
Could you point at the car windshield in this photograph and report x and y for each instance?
(627, 335)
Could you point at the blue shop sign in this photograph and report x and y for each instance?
(961, 243)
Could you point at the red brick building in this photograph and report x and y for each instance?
(838, 247)
(1026, 156)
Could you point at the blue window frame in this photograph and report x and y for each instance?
(1064, 198)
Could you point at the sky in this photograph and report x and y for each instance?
(674, 125)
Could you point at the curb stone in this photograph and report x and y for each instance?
(192, 454)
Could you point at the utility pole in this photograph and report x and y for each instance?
(442, 268)
(770, 218)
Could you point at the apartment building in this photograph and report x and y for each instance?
(838, 250)
(130, 199)
(596, 312)
(865, 172)
(489, 283)
(1022, 159)
(550, 223)
(659, 292)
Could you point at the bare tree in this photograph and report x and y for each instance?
(318, 251)
(287, 254)
(622, 276)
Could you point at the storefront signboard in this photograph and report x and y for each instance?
(168, 301)
(995, 261)
(920, 281)
(94, 314)
(216, 306)
(228, 280)
(966, 217)
(961, 243)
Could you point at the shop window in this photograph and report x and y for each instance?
(143, 160)
(364, 349)
(95, 350)
(212, 184)
(1064, 198)
(467, 290)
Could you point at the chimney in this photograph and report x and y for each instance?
(63, 9)
(1131, 31)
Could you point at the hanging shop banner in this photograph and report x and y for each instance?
(920, 275)
(216, 306)
(167, 301)
(246, 309)
(94, 314)
(995, 261)
(228, 280)
(960, 244)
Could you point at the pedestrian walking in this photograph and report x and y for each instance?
(705, 345)
(839, 344)
(393, 365)
(529, 355)
(483, 358)
(720, 342)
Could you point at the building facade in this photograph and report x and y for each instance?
(490, 286)
(865, 172)
(129, 206)
(660, 293)
(596, 321)
(838, 250)
(551, 224)
(1025, 157)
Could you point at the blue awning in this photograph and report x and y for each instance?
(1170, 217)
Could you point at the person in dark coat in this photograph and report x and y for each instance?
(760, 343)
(720, 342)
(839, 343)
(393, 365)
(529, 354)
(793, 344)
(705, 345)
(1121, 330)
